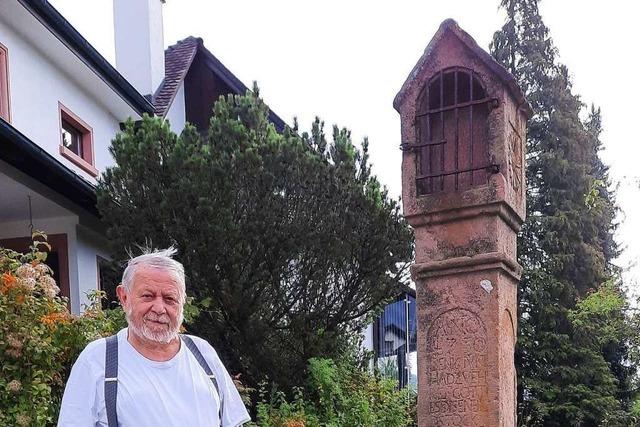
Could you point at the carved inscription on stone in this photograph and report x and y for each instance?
(515, 159)
(456, 369)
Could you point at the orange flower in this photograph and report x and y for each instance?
(8, 278)
(54, 318)
(8, 281)
(20, 299)
(294, 423)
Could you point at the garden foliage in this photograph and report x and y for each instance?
(39, 338)
(338, 393)
(288, 242)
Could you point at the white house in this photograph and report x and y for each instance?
(61, 103)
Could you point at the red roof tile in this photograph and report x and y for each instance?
(177, 60)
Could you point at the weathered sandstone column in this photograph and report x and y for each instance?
(463, 129)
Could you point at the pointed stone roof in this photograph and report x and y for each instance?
(449, 26)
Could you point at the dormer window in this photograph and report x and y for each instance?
(4, 83)
(452, 123)
(76, 141)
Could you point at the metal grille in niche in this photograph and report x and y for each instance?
(452, 130)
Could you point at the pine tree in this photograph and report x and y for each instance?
(289, 242)
(566, 245)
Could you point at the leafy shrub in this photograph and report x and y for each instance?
(635, 412)
(340, 393)
(275, 410)
(39, 337)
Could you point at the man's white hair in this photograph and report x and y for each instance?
(157, 258)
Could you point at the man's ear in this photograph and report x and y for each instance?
(122, 293)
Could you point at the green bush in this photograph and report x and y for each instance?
(39, 337)
(635, 412)
(339, 393)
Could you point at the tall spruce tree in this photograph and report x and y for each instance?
(566, 377)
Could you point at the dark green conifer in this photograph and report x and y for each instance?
(566, 377)
(288, 242)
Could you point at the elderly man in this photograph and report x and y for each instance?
(148, 374)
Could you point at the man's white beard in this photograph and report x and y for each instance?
(142, 330)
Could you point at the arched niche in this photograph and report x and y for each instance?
(452, 129)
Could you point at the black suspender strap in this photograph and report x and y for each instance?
(111, 380)
(207, 369)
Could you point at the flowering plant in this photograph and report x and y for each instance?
(39, 337)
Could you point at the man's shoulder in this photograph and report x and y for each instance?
(90, 362)
(94, 350)
(205, 348)
(200, 342)
(94, 353)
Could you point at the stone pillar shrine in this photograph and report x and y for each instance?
(463, 121)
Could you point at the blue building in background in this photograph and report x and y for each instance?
(394, 340)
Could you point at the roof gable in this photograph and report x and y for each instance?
(178, 60)
(447, 28)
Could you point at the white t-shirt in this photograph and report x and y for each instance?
(173, 393)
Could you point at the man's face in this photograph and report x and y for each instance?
(153, 305)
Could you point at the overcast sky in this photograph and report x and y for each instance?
(345, 60)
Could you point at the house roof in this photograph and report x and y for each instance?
(73, 40)
(178, 59)
(452, 26)
(26, 156)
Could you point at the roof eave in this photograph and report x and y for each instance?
(70, 37)
(26, 156)
(180, 81)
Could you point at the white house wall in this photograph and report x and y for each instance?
(88, 248)
(367, 342)
(367, 338)
(61, 225)
(36, 86)
(177, 112)
(42, 74)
